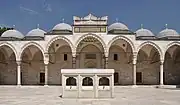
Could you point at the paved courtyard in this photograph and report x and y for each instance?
(37, 95)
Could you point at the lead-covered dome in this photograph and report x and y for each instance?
(12, 34)
(117, 26)
(36, 32)
(144, 32)
(168, 33)
(62, 26)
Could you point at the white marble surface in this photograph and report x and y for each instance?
(87, 71)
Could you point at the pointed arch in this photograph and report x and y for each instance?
(170, 45)
(93, 36)
(152, 44)
(59, 38)
(121, 38)
(32, 44)
(11, 47)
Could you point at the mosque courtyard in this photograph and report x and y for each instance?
(124, 95)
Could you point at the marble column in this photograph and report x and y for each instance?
(79, 85)
(46, 62)
(134, 68)
(96, 85)
(106, 63)
(74, 62)
(161, 72)
(18, 72)
(112, 85)
(46, 74)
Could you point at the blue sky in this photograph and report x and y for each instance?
(153, 14)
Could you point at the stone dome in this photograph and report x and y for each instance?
(12, 33)
(63, 26)
(36, 32)
(167, 32)
(144, 32)
(118, 26)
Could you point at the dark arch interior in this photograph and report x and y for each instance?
(32, 66)
(71, 81)
(171, 66)
(103, 81)
(148, 66)
(120, 59)
(60, 57)
(87, 81)
(8, 66)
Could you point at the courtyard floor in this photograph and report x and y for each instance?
(37, 95)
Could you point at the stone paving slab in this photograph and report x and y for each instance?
(39, 95)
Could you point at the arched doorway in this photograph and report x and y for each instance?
(60, 57)
(8, 66)
(148, 65)
(171, 66)
(120, 59)
(90, 53)
(32, 66)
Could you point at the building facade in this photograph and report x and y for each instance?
(137, 57)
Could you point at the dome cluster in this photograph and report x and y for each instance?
(145, 32)
(115, 27)
(18, 35)
(35, 32)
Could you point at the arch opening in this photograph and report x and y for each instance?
(87, 81)
(60, 57)
(90, 53)
(120, 59)
(8, 66)
(148, 65)
(32, 66)
(103, 81)
(171, 66)
(71, 81)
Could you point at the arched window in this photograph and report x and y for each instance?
(71, 81)
(87, 81)
(104, 81)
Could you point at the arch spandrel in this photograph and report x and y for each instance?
(91, 36)
(12, 48)
(121, 38)
(152, 44)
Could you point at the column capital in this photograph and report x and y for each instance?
(106, 54)
(46, 55)
(135, 54)
(18, 62)
(46, 62)
(74, 54)
(161, 62)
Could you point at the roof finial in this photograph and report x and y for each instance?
(141, 26)
(63, 20)
(166, 26)
(14, 26)
(117, 20)
(37, 26)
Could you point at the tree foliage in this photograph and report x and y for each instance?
(2, 30)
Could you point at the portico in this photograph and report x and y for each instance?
(138, 58)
